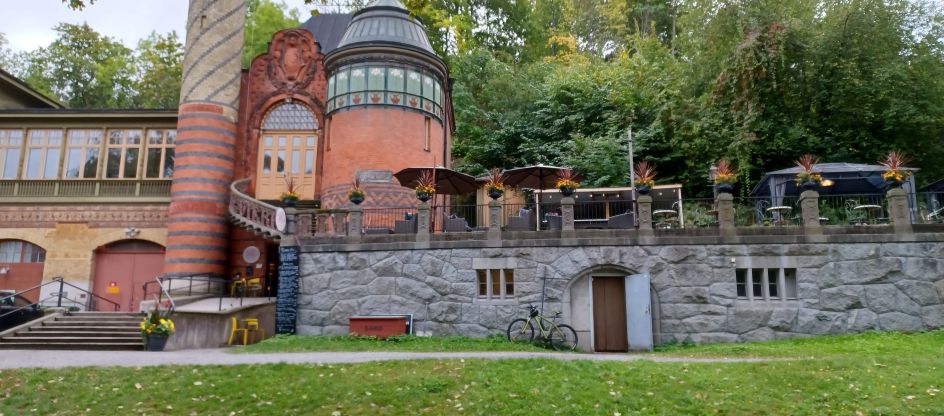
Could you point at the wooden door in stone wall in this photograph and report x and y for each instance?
(122, 268)
(609, 314)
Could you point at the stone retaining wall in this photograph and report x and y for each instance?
(841, 287)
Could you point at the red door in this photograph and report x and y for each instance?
(122, 268)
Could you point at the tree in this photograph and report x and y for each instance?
(263, 19)
(158, 63)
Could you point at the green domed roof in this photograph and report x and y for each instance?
(386, 22)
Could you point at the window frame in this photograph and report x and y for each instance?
(486, 280)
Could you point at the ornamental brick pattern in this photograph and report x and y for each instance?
(197, 229)
(95, 216)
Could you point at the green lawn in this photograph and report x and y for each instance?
(871, 374)
(292, 343)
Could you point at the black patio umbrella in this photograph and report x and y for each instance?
(448, 181)
(535, 177)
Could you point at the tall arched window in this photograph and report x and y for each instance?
(287, 151)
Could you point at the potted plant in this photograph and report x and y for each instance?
(155, 330)
(645, 174)
(807, 178)
(426, 185)
(895, 173)
(495, 187)
(567, 182)
(725, 176)
(291, 195)
(356, 194)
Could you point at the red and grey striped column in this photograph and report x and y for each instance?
(198, 228)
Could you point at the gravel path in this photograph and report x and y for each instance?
(61, 359)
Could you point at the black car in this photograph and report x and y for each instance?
(16, 310)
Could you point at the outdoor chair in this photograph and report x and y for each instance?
(252, 325)
(254, 286)
(524, 221)
(622, 221)
(405, 226)
(554, 222)
(451, 225)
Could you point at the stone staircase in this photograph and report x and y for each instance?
(99, 331)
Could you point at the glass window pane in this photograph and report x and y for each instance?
(280, 163)
(395, 79)
(296, 160)
(51, 168)
(309, 159)
(483, 283)
(268, 141)
(170, 135)
(413, 83)
(131, 163)
(437, 95)
(267, 161)
(741, 282)
(331, 87)
(134, 137)
(91, 164)
(113, 163)
(296, 141)
(358, 79)
(33, 162)
(94, 137)
(114, 137)
(509, 282)
(311, 141)
(757, 282)
(789, 283)
(169, 163)
(11, 163)
(375, 81)
(282, 141)
(10, 251)
(155, 137)
(153, 169)
(496, 282)
(342, 83)
(772, 282)
(73, 162)
(428, 87)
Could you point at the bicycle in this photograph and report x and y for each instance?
(559, 337)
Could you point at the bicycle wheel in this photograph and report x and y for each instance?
(563, 338)
(520, 330)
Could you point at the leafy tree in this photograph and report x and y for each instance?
(159, 63)
(263, 19)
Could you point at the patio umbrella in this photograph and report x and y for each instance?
(448, 181)
(535, 177)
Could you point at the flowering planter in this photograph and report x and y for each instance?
(494, 194)
(289, 202)
(724, 187)
(893, 184)
(356, 199)
(643, 189)
(809, 185)
(423, 196)
(155, 342)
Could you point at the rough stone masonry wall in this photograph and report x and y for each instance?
(842, 288)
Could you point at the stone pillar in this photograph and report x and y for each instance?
(494, 220)
(899, 216)
(422, 222)
(809, 207)
(724, 204)
(337, 220)
(567, 214)
(355, 215)
(197, 226)
(644, 208)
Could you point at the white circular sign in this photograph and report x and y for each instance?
(280, 219)
(251, 254)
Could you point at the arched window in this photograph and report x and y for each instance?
(287, 151)
(18, 251)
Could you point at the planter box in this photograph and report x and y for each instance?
(380, 326)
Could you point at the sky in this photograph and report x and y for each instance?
(28, 24)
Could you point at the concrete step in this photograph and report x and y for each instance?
(135, 315)
(128, 324)
(78, 334)
(67, 340)
(97, 346)
(100, 318)
(73, 328)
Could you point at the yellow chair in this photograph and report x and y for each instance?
(252, 325)
(237, 287)
(254, 286)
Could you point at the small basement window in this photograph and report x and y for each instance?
(766, 284)
(496, 284)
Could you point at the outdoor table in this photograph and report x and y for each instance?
(780, 211)
(870, 210)
(666, 217)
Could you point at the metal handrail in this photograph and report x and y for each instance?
(58, 296)
(167, 289)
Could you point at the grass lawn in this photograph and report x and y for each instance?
(871, 374)
(293, 343)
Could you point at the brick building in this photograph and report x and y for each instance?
(114, 198)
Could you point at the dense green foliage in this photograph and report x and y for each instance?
(760, 82)
(263, 19)
(886, 374)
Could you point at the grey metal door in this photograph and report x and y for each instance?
(638, 312)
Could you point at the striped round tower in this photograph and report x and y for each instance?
(387, 106)
(197, 229)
